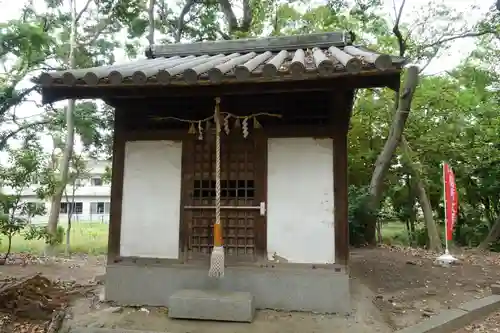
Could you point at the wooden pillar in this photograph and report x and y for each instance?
(117, 171)
(340, 117)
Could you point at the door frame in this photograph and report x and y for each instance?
(260, 165)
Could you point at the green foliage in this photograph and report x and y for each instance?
(107, 175)
(25, 45)
(92, 124)
(358, 214)
(23, 39)
(421, 237)
(40, 232)
(24, 166)
(471, 232)
(10, 226)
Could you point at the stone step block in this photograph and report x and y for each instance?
(212, 305)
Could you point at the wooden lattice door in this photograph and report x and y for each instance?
(242, 196)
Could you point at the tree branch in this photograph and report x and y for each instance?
(231, 19)
(100, 29)
(226, 8)
(7, 103)
(397, 32)
(180, 21)
(11, 134)
(429, 60)
(247, 16)
(84, 9)
(224, 35)
(452, 38)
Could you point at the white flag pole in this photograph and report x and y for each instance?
(446, 259)
(446, 251)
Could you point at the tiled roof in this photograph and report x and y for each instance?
(284, 64)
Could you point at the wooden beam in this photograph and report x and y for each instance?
(273, 44)
(297, 131)
(340, 117)
(187, 106)
(260, 160)
(381, 79)
(117, 175)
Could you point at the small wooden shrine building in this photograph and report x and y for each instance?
(285, 104)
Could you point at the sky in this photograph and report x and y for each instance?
(459, 49)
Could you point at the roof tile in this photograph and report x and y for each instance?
(297, 64)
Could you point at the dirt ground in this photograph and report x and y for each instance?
(409, 287)
(489, 325)
(392, 288)
(80, 269)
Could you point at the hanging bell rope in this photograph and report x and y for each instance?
(217, 257)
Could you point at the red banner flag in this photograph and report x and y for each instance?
(450, 200)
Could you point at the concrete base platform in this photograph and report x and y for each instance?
(212, 305)
(321, 290)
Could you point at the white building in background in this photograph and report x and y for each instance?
(91, 200)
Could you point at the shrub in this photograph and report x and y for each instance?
(40, 232)
(359, 214)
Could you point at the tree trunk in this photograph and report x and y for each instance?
(413, 214)
(379, 232)
(423, 199)
(408, 232)
(411, 223)
(151, 18)
(68, 149)
(383, 162)
(67, 250)
(3, 261)
(432, 230)
(68, 238)
(493, 235)
(56, 199)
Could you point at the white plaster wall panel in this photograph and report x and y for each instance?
(151, 196)
(300, 220)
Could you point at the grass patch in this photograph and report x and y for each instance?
(91, 238)
(392, 229)
(394, 233)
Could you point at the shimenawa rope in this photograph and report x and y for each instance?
(217, 257)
